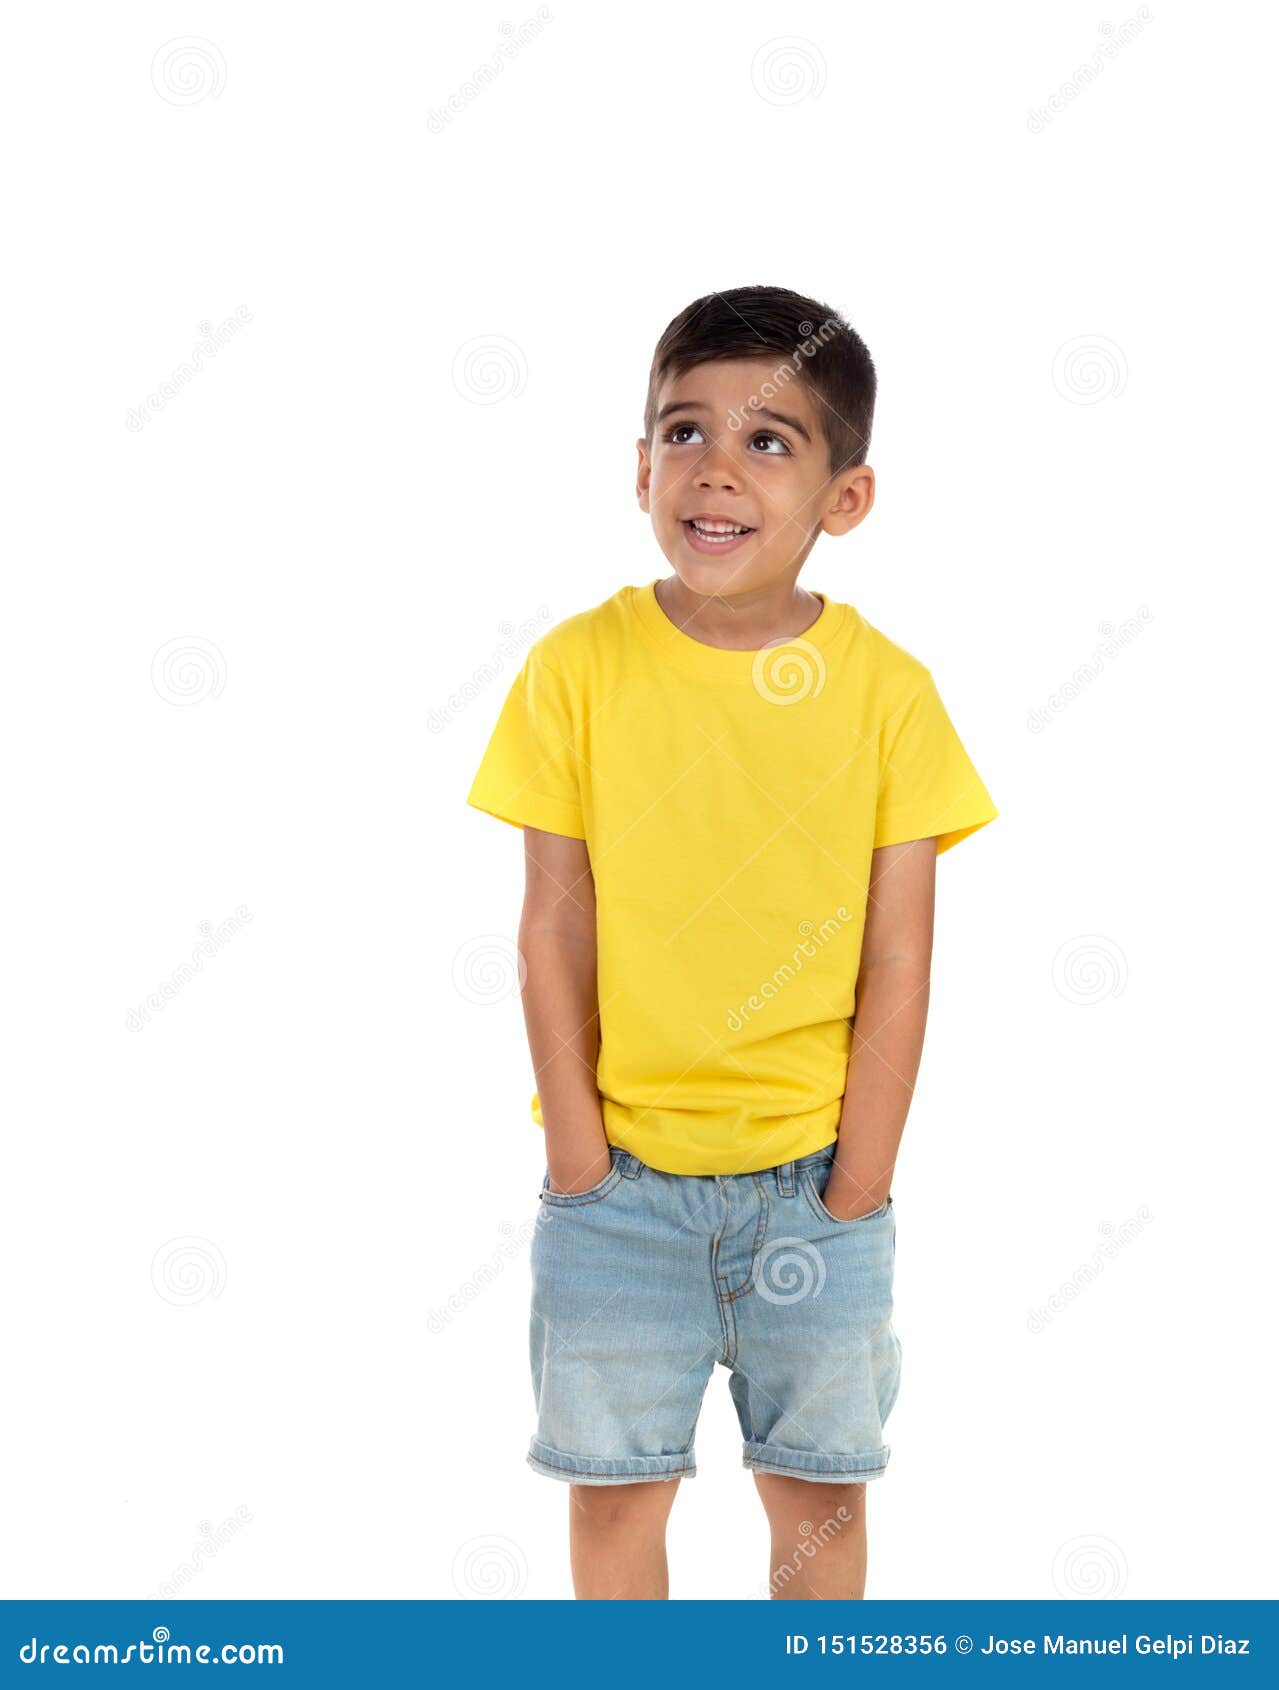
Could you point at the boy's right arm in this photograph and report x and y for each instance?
(561, 1005)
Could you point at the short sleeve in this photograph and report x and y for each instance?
(529, 775)
(927, 786)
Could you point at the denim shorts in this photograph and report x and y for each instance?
(646, 1280)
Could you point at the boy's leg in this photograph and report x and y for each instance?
(818, 1538)
(816, 1366)
(617, 1540)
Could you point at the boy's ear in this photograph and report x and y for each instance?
(644, 474)
(851, 496)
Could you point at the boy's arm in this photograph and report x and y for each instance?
(561, 1006)
(888, 1026)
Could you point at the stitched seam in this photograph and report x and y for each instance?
(578, 1199)
(814, 1472)
(761, 1227)
(824, 1214)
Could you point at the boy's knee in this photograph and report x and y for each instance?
(620, 1505)
(794, 1499)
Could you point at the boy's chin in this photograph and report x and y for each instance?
(712, 576)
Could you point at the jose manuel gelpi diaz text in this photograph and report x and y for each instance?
(1141, 1645)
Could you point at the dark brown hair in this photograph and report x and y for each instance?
(812, 344)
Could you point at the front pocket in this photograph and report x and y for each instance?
(592, 1194)
(823, 1213)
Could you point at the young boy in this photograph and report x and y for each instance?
(733, 794)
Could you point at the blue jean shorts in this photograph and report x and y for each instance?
(646, 1280)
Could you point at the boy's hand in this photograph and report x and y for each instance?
(578, 1171)
(848, 1199)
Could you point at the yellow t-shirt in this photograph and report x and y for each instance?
(730, 802)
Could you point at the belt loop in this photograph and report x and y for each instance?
(631, 1165)
(786, 1179)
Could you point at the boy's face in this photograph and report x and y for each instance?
(723, 455)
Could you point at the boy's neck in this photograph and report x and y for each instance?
(745, 621)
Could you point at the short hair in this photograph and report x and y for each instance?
(819, 347)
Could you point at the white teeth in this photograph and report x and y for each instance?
(718, 530)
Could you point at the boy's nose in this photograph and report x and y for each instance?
(717, 475)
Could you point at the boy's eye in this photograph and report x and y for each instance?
(689, 434)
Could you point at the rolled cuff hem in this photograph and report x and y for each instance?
(821, 1469)
(614, 1470)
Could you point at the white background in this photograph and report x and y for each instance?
(421, 437)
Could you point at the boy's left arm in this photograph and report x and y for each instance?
(888, 1026)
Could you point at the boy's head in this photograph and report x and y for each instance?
(759, 412)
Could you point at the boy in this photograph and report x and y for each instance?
(733, 794)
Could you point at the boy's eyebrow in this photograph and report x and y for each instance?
(756, 411)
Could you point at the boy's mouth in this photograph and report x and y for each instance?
(715, 534)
